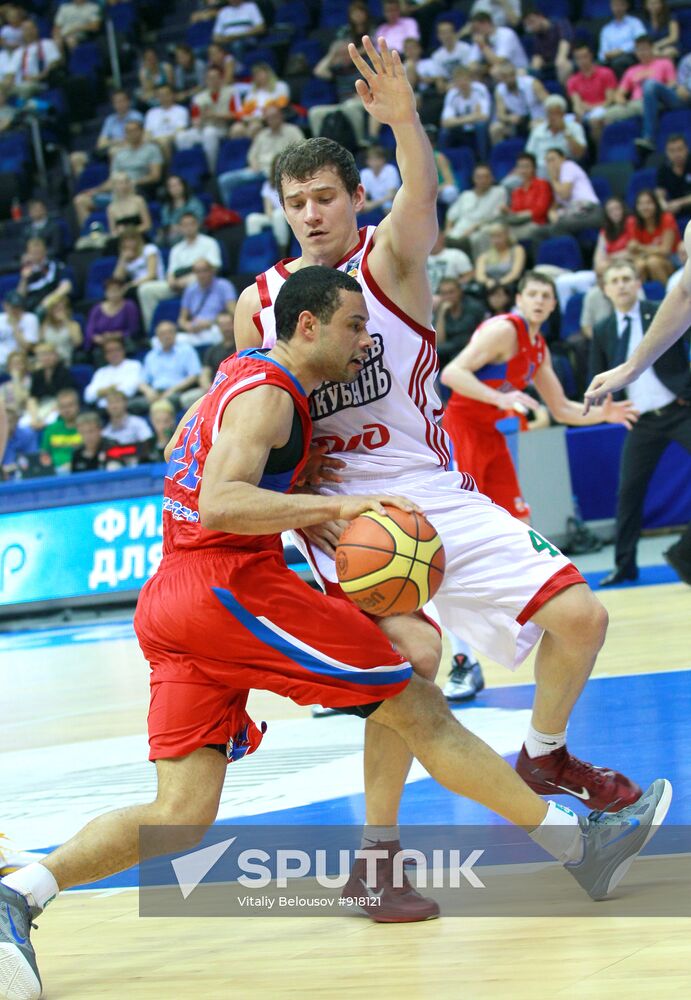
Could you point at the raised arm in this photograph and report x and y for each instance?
(670, 322)
(405, 238)
(568, 412)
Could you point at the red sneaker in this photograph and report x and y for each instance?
(559, 772)
(384, 902)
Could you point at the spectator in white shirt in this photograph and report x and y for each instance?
(451, 52)
(18, 329)
(213, 109)
(503, 12)
(380, 179)
(466, 112)
(75, 22)
(118, 372)
(469, 218)
(559, 131)
(192, 247)
(123, 427)
(238, 22)
(447, 262)
(491, 43)
(575, 206)
(519, 102)
(163, 122)
(33, 61)
(170, 367)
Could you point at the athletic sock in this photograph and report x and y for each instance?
(372, 835)
(460, 647)
(560, 834)
(35, 882)
(538, 744)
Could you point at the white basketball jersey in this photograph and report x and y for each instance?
(385, 423)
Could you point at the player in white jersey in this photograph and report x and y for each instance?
(505, 586)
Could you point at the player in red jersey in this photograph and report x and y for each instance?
(505, 355)
(224, 613)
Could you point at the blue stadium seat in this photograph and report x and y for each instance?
(555, 9)
(462, 160)
(602, 187)
(594, 10)
(82, 375)
(571, 318)
(640, 180)
(311, 48)
(99, 271)
(258, 253)
(371, 218)
(8, 283)
(502, 159)
(232, 155)
(86, 59)
(91, 176)
(191, 165)
(334, 14)
(617, 143)
(246, 197)
(169, 309)
(263, 54)
(672, 122)
(199, 35)
(123, 16)
(294, 13)
(654, 290)
(315, 91)
(563, 251)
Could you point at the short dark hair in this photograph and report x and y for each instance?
(482, 15)
(539, 277)
(304, 159)
(584, 45)
(645, 39)
(676, 137)
(555, 149)
(315, 289)
(525, 155)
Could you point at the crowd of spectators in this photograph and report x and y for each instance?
(560, 133)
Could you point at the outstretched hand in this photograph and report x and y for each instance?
(606, 383)
(385, 90)
(619, 413)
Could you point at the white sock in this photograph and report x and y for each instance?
(560, 834)
(35, 883)
(538, 744)
(372, 835)
(460, 646)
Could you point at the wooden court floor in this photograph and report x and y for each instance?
(94, 945)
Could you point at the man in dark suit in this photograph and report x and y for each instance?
(662, 395)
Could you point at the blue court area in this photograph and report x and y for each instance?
(308, 771)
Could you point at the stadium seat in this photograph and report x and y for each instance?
(259, 55)
(8, 283)
(563, 251)
(311, 48)
(602, 188)
(654, 290)
(191, 165)
(595, 10)
(294, 13)
(571, 318)
(672, 122)
(334, 14)
(640, 180)
(246, 198)
(315, 91)
(258, 253)
(199, 35)
(168, 309)
(617, 143)
(462, 160)
(91, 176)
(82, 375)
(232, 155)
(502, 159)
(99, 271)
(86, 59)
(371, 218)
(123, 16)
(617, 176)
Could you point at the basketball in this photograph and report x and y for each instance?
(390, 564)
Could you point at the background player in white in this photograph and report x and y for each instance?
(671, 321)
(504, 587)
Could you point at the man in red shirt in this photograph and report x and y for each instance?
(591, 89)
(530, 201)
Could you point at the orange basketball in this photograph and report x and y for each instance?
(390, 565)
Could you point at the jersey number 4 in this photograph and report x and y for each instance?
(541, 544)
(183, 465)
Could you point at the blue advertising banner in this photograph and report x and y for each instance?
(95, 548)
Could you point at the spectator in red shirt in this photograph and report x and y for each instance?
(628, 98)
(530, 201)
(653, 236)
(591, 89)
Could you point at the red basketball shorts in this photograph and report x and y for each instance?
(483, 452)
(215, 624)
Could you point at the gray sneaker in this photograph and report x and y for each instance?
(19, 978)
(613, 841)
(465, 679)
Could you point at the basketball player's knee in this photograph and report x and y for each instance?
(425, 709)
(426, 655)
(585, 619)
(179, 808)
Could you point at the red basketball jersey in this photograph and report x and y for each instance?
(239, 373)
(517, 373)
